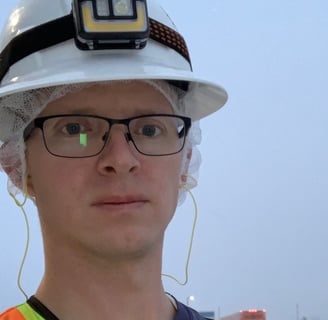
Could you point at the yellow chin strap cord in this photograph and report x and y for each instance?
(21, 206)
(183, 283)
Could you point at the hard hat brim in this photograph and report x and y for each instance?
(37, 71)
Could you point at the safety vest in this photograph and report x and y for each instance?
(21, 312)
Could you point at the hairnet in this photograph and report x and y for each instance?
(21, 108)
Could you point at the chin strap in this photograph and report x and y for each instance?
(185, 281)
(182, 283)
(21, 206)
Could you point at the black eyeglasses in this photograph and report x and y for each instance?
(81, 136)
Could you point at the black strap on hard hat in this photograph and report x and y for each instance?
(63, 29)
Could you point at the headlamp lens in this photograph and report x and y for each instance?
(103, 8)
(123, 7)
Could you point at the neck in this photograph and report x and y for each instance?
(81, 287)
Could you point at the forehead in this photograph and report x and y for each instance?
(114, 99)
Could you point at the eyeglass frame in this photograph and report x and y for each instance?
(39, 122)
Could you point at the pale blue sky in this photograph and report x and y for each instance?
(261, 239)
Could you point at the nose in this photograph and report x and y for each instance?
(119, 155)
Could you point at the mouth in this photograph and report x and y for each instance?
(120, 203)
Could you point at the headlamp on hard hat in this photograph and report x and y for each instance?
(111, 24)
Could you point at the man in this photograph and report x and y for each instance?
(97, 100)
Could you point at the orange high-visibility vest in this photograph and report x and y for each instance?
(21, 312)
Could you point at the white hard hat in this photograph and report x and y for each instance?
(39, 49)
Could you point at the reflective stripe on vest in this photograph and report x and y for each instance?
(22, 312)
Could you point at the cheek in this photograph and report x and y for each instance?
(57, 195)
(166, 180)
(49, 178)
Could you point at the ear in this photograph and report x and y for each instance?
(186, 162)
(29, 186)
(28, 179)
(9, 166)
(12, 169)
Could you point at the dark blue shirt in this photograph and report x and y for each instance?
(186, 313)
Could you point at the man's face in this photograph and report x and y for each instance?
(117, 203)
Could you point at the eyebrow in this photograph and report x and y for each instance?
(69, 110)
(80, 109)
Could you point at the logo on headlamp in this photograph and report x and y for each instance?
(111, 24)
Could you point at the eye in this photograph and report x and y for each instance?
(149, 127)
(73, 128)
(150, 130)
